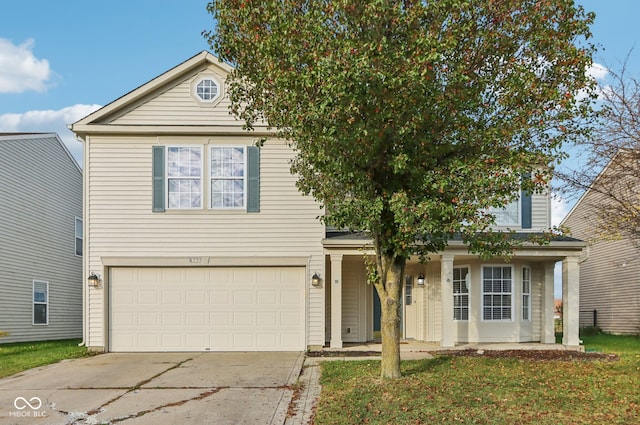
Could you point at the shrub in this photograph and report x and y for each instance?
(591, 331)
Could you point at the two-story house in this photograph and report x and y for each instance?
(610, 277)
(40, 239)
(199, 241)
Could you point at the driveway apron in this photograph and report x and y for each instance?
(154, 388)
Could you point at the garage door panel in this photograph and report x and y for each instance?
(202, 309)
(197, 340)
(148, 341)
(242, 319)
(267, 319)
(219, 297)
(243, 341)
(267, 340)
(196, 318)
(172, 297)
(220, 319)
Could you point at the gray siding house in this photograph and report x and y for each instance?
(610, 276)
(40, 239)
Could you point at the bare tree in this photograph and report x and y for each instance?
(610, 162)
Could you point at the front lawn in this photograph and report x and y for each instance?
(481, 390)
(19, 356)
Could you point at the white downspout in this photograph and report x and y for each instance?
(85, 303)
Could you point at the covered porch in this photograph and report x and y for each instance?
(432, 313)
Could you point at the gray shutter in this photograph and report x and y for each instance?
(158, 179)
(253, 179)
(525, 202)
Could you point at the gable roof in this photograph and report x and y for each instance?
(606, 169)
(101, 121)
(53, 137)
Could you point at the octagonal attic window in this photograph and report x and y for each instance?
(207, 90)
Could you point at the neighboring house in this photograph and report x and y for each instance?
(610, 277)
(201, 242)
(40, 239)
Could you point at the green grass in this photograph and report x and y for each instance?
(465, 390)
(16, 357)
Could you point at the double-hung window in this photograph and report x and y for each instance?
(40, 302)
(227, 172)
(526, 294)
(517, 213)
(184, 177)
(213, 177)
(460, 293)
(509, 215)
(78, 225)
(497, 284)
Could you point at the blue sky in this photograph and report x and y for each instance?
(61, 60)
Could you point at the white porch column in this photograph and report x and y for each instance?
(570, 301)
(548, 335)
(446, 293)
(336, 301)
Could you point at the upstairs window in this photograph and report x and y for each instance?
(184, 177)
(228, 177)
(509, 215)
(218, 177)
(207, 90)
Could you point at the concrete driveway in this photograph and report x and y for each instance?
(154, 388)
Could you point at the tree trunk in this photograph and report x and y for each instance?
(390, 303)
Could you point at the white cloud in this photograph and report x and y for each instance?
(20, 70)
(597, 71)
(50, 121)
(559, 209)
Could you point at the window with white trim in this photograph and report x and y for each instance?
(207, 90)
(40, 302)
(184, 177)
(461, 279)
(78, 226)
(497, 300)
(509, 215)
(526, 294)
(227, 173)
(190, 177)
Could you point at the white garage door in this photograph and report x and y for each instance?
(207, 309)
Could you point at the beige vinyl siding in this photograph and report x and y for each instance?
(605, 284)
(354, 301)
(122, 224)
(176, 106)
(40, 197)
(540, 212)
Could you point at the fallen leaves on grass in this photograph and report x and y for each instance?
(536, 355)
